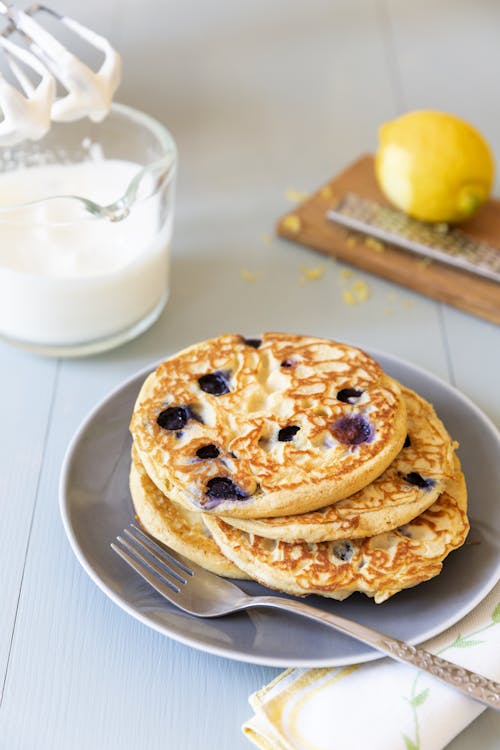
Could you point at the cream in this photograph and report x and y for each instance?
(66, 276)
(88, 93)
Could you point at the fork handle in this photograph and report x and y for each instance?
(469, 683)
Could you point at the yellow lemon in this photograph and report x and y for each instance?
(434, 166)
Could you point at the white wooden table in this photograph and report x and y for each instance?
(261, 97)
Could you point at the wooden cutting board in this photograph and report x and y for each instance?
(307, 225)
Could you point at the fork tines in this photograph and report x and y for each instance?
(161, 569)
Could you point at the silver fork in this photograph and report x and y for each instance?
(204, 594)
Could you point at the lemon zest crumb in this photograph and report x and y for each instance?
(326, 193)
(295, 196)
(358, 291)
(313, 273)
(374, 244)
(291, 223)
(361, 291)
(247, 275)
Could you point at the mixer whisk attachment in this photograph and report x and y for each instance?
(26, 113)
(28, 110)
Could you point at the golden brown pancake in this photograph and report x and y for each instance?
(412, 482)
(178, 528)
(378, 566)
(276, 426)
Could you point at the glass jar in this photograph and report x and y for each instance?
(85, 229)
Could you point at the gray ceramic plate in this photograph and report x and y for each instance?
(95, 507)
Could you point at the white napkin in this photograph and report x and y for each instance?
(381, 705)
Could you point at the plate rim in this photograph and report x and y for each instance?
(230, 652)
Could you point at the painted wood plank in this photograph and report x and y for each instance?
(26, 393)
(261, 82)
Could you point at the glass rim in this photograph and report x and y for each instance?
(163, 171)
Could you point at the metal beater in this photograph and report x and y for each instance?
(28, 110)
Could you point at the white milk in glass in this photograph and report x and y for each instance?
(67, 277)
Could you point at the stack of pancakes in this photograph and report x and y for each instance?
(297, 462)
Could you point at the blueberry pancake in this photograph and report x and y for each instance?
(412, 482)
(280, 425)
(378, 566)
(178, 528)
